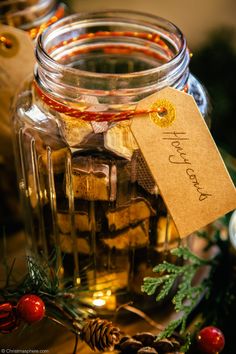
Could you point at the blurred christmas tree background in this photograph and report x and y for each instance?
(215, 65)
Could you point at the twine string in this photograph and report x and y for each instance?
(90, 116)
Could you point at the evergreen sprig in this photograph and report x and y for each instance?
(63, 302)
(187, 295)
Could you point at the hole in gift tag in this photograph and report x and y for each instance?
(6, 42)
(163, 113)
(9, 45)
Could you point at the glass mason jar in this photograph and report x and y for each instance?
(31, 15)
(86, 189)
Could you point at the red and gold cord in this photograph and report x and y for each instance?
(60, 12)
(90, 116)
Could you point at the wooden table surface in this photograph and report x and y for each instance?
(51, 337)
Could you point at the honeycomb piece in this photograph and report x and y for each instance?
(92, 180)
(58, 160)
(81, 222)
(67, 244)
(74, 130)
(133, 237)
(120, 140)
(172, 234)
(144, 176)
(138, 210)
(90, 187)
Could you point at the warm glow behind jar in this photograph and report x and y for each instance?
(86, 188)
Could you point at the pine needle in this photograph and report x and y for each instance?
(187, 295)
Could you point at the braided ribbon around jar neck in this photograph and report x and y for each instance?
(91, 116)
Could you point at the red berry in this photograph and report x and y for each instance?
(31, 308)
(8, 318)
(210, 340)
(5, 309)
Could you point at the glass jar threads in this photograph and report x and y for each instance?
(86, 188)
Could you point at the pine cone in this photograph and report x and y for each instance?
(100, 334)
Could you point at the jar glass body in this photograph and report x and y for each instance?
(32, 16)
(85, 187)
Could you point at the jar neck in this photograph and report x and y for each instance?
(26, 14)
(116, 56)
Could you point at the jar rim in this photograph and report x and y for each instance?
(48, 62)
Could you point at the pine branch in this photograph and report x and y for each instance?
(187, 295)
(170, 329)
(63, 304)
(188, 340)
(189, 256)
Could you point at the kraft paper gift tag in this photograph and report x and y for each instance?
(183, 160)
(16, 63)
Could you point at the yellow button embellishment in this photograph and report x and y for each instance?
(163, 113)
(9, 45)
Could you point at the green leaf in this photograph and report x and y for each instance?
(166, 267)
(187, 295)
(169, 330)
(186, 254)
(151, 284)
(185, 347)
(166, 287)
